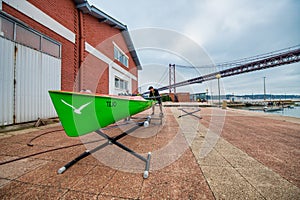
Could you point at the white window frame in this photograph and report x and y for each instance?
(121, 84)
(122, 55)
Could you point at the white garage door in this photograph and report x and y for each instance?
(26, 76)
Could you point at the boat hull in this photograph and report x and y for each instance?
(272, 109)
(82, 113)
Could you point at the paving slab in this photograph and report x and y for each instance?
(175, 185)
(227, 183)
(270, 184)
(124, 185)
(18, 168)
(20, 190)
(95, 180)
(70, 194)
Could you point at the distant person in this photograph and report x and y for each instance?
(154, 94)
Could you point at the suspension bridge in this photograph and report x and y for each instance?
(235, 67)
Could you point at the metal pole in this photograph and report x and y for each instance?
(219, 92)
(207, 96)
(264, 88)
(218, 76)
(170, 82)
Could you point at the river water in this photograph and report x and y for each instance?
(292, 112)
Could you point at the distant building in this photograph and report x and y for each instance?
(199, 97)
(180, 97)
(59, 45)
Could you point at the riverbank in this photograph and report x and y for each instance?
(286, 111)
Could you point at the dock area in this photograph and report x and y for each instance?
(196, 153)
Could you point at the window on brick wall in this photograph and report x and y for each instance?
(120, 55)
(117, 82)
(121, 84)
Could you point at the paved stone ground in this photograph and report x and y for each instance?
(257, 156)
(225, 155)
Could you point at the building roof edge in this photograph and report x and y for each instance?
(85, 7)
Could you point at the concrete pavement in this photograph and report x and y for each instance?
(233, 174)
(195, 156)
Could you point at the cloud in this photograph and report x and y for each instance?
(225, 30)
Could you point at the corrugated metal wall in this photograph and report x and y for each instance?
(35, 74)
(6, 81)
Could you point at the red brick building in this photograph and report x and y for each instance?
(77, 46)
(84, 26)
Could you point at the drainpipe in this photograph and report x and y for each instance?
(15, 83)
(81, 39)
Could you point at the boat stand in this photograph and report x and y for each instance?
(111, 141)
(149, 118)
(189, 113)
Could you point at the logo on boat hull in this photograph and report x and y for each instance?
(111, 104)
(77, 110)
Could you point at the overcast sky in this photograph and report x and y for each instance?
(217, 31)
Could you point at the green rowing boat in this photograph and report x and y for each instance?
(82, 113)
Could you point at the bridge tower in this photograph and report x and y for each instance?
(172, 79)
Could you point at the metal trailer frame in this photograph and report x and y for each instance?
(114, 141)
(190, 113)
